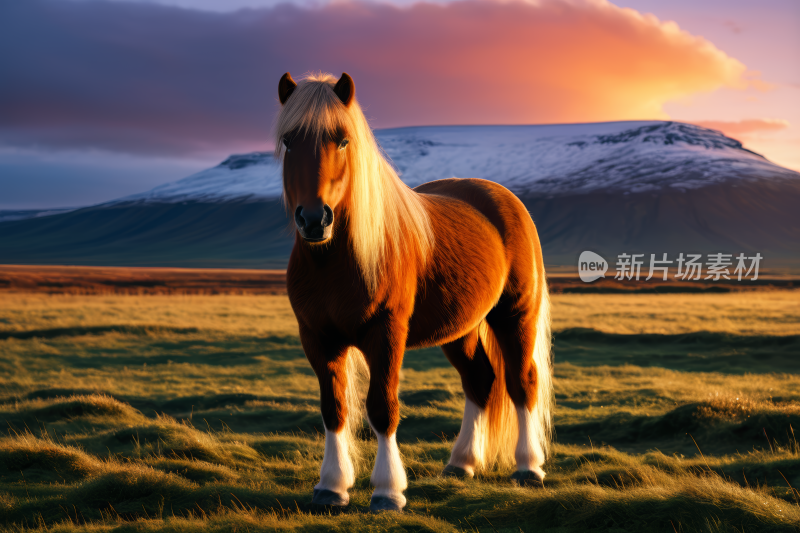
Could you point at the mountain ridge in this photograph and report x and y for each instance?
(624, 187)
(551, 159)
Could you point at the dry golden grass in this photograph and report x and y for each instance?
(241, 314)
(742, 313)
(211, 419)
(139, 280)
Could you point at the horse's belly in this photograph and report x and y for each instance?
(464, 281)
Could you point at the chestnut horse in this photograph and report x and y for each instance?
(377, 268)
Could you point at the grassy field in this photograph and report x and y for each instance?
(200, 413)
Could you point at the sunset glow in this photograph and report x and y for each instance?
(161, 79)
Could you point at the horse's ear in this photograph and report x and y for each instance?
(286, 87)
(345, 89)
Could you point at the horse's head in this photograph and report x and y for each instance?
(315, 142)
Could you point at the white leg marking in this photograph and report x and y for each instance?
(389, 476)
(529, 453)
(337, 472)
(469, 449)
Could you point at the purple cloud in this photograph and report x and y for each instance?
(153, 79)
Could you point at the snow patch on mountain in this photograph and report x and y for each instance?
(240, 177)
(545, 160)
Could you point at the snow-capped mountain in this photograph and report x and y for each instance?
(622, 187)
(550, 160)
(254, 176)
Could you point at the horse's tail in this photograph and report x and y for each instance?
(543, 408)
(357, 378)
(502, 427)
(500, 432)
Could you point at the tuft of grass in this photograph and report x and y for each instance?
(200, 472)
(724, 425)
(71, 413)
(25, 458)
(180, 440)
(132, 490)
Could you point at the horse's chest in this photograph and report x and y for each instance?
(327, 303)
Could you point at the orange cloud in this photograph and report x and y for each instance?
(742, 128)
(139, 77)
(519, 62)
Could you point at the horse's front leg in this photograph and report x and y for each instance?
(328, 358)
(384, 345)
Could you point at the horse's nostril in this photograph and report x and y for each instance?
(327, 217)
(298, 218)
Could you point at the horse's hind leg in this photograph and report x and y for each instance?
(515, 322)
(329, 361)
(468, 356)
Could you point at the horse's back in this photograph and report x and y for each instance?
(505, 212)
(500, 206)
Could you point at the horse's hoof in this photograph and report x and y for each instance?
(386, 503)
(328, 497)
(527, 478)
(457, 472)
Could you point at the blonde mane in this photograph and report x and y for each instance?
(388, 221)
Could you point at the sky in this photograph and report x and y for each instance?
(104, 98)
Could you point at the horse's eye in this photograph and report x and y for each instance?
(343, 144)
(286, 141)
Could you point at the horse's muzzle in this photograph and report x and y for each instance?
(314, 225)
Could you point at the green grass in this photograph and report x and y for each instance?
(206, 419)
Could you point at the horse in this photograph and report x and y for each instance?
(377, 268)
